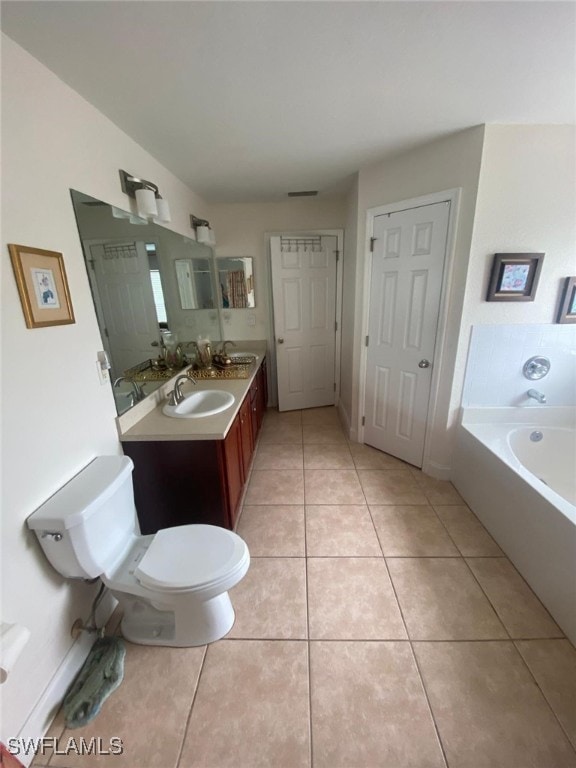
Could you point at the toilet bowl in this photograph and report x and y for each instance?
(172, 585)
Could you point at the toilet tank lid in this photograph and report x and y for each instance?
(82, 495)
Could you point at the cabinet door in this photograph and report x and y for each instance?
(246, 437)
(234, 474)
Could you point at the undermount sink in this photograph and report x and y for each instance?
(196, 405)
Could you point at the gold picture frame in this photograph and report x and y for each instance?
(42, 285)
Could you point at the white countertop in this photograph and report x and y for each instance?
(155, 425)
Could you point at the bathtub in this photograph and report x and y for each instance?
(516, 469)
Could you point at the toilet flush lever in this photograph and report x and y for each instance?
(52, 535)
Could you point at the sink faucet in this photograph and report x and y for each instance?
(533, 393)
(137, 393)
(176, 395)
(223, 347)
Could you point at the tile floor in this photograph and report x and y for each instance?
(379, 626)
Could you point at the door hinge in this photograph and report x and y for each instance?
(92, 263)
(336, 325)
(106, 333)
(372, 241)
(363, 420)
(337, 256)
(367, 340)
(334, 386)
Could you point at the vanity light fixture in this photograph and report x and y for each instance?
(149, 201)
(204, 233)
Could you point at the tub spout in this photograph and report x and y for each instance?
(533, 393)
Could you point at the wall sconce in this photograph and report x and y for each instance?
(149, 202)
(204, 233)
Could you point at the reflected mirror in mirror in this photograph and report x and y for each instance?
(131, 266)
(195, 283)
(236, 281)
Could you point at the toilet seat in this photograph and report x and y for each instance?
(192, 558)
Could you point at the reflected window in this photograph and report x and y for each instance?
(157, 290)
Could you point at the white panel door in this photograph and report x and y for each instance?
(405, 288)
(120, 272)
(304, 295)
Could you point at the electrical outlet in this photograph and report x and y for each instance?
(103, 373)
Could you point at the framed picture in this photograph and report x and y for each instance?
(567, 308)
(514, 276)
(42, 285)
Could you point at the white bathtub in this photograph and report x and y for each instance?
(524, 491)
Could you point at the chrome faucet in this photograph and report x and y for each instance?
(176, 395)
(534, 394)
(137, 391)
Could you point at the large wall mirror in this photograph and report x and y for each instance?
(150, 285)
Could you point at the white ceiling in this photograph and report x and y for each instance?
(249, 100)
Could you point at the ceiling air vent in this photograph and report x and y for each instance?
(307, 193)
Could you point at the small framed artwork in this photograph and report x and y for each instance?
(567, 307)
(42, 285)
(514, 276)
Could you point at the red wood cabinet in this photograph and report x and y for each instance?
(177, 482)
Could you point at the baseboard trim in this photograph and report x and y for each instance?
(439, 471)
(47, 706)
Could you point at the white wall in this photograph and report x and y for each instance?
(497, 355)
(518, 195)
(241, 230)
(526, 203)
(349, 305)
(448, 163)
(55, 415)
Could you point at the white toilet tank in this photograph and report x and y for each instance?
(86, 526)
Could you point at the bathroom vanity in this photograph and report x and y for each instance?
(195, 470)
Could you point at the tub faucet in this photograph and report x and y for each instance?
(137, 391)
(533, 393)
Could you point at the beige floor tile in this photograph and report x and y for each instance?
(437, 491)
(327, 416)
(441, 600)
(275, 486)
(411, 531)
(252, 707)
(270, 601)
(519, 609)
(332, 486)
(273, 531)
(553, 664)
(352, 599)
(327, 457)
(488, 711)
(347, 531)
(369, 708)
(274, 416)
(274, 456)
(467, 532)
(148, 711)
(281, 433)
(366, 457)
(323, 435)
(390, 487)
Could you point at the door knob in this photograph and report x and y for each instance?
(280, 341)
(424, 363)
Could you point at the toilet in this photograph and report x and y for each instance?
(172, 585)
